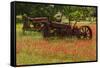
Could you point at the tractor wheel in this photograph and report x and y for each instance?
(46, 32)
(85, 32)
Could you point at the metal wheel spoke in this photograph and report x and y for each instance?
(85, 32)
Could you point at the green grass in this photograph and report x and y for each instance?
(32, 48)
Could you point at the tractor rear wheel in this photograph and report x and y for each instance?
(85, 32)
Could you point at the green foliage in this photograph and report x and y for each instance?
(48, 10)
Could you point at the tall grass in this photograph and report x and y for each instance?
(32, 48)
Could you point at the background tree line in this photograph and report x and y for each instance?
(72, 13)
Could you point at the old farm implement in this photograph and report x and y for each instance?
(53, 28)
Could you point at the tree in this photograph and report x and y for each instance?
(75, 13)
